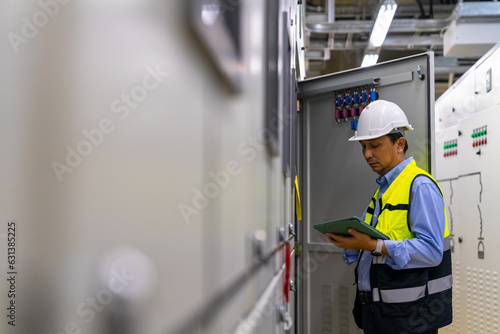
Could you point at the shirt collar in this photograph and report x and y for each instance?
(390, 176)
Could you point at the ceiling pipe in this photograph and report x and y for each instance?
(331, 10)
(480, 12)
(398, 25)
(403, 10)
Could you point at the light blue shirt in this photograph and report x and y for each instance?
(427, 222)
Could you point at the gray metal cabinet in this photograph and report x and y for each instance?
(336, 182)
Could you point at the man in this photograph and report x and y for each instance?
(403, 284)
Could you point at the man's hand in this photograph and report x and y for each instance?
(357, 240)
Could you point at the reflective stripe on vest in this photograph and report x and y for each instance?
(406, 295)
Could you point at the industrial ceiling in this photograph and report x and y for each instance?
(459, 33)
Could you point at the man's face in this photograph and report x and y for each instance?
(382, 155)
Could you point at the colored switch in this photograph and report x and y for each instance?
(337, 115)
(345, 114)
(339, 100)
(373, 94)
(353, 112)
(355, 98)
(363, 96)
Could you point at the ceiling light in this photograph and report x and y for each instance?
(369, 59)
(383, 22)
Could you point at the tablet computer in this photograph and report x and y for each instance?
(341, 226)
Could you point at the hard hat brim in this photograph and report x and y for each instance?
(358, 138)
(369, 137)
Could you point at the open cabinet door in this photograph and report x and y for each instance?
(335, 180)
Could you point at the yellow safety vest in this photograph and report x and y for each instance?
(394, 218)
(406, 300)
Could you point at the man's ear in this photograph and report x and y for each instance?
(401, 143)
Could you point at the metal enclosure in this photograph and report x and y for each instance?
(467, 141)
(337, 182)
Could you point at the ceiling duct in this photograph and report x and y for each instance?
(470, 35)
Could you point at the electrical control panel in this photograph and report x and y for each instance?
(337, 180)
(470, 184)
(350, 102)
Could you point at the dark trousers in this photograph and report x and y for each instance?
(369, 322)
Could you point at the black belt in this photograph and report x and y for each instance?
(365, 297)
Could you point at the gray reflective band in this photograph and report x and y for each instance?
(440, 284)
(375, 294)
(446, 244)
(406, 295)
(399, 295)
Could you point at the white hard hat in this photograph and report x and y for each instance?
(380, 118)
